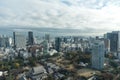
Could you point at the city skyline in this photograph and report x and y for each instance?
(92, 16)
(59, 40)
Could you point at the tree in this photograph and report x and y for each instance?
(113, 64)
(17, 65)
(50, 77)
(32, 61)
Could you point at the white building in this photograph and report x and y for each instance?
(45, 47)
(98, 50)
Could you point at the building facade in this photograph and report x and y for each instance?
(98, 49)
(4, 42)
(19, 40)
(107, 45)
(114, 38)
(47, 37)
(58, 43)
(30, 38)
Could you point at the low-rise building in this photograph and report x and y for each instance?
(38, 73)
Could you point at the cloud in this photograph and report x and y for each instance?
(96, 15)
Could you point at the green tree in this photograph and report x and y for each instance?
(32, 61)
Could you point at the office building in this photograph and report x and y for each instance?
(76, 39)
(98, 54)
(47, 37)
(65, 39)
(19, 40)
(45, 47)
(58, 43)
(107, 45)
(30, 38)
(114, 42)
(4, 42)
(114, 38)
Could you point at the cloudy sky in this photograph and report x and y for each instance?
(97, 15)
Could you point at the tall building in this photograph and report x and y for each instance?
(118, 49)
(114, 41)
(98, 54)
(45, 47)
(47, 37)
(107, 35)
(30, 38)
(58, 43)
(114, 38)
(65, 39)
(75, 39)
(19, 40)
(107, 45)
(4, 42)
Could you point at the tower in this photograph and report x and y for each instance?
(98, 54)
(47, 37)
(19, 40)
(114, 38)
(30, 38)
(57, 43)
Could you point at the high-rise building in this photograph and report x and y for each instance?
(107, 45)
(58, 43)
(107, 35)
(114, 42)
(45, 47)
(30, 38)
(19, 40)
(98, 54)
(47, 37)
(65, 39)
(114, 38)
(4, 42)
(118, 49)
(75, 39)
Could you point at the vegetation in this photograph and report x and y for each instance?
(10, 77)
(16, 64)
(32, 61)
(50, 77)
(110, 56)
(113, 64)
(78, 57)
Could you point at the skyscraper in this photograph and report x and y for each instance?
(75, 39)
(19, 40)
(45, 47)
(114, 42)
(114, 38)
(14, 46)
(4, 42)
(98, 54)
(107, 45)
(47, 37)
(30, 38)
(58, 43)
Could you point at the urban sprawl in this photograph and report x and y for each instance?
(30, 57)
